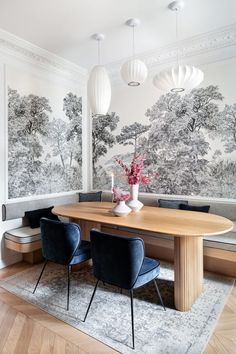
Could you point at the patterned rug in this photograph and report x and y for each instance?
(156, 331)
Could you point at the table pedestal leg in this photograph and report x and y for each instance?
(188, 254)
(86, 227)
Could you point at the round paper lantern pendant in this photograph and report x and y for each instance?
(134, 71)
(178, 78)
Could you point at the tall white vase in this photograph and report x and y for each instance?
(121, 209)
(134, 203)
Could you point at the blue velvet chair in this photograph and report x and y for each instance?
(120, 261)
(62, 244)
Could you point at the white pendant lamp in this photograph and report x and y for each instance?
(99, 86)
(134, 71)
(179, 77)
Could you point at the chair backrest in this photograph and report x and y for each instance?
(90, 197)
(59, 240)
(117, 260)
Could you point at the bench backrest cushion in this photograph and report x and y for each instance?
(201, 208)
(34, 216)
(170, 203)
(90, 197)
(17, 209)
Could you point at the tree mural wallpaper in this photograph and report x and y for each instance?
(44, 151)
(190, 140)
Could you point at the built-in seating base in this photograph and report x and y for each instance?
(33, 257)
(26, 241)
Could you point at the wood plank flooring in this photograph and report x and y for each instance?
(24, 328)
(223, 340)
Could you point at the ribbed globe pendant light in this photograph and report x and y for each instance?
(99, 86)
(179, 77)
(134, 71)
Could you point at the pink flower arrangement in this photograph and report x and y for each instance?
(119, 195)
(134, 172)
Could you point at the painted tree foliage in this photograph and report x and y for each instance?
(179, 143)
(72, 106)
(131, 133)
(102, 137)
(44, 153)
(226, 127)
(102, 140)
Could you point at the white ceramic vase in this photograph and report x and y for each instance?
(121, 209)
(134, 203)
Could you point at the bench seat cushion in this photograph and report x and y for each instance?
(23, 234)
(226, 241)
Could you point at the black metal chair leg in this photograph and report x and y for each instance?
(159, 294)
(132, 316)
(121, 291)
(91, 300)
(68, 287)
(40, 276)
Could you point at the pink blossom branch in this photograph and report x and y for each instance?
(119, 195)
(134, 173)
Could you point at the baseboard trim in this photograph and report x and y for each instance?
(14, 258)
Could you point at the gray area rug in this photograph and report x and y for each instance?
(156, 331)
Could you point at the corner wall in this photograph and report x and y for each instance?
(25, 57)
(199, 163)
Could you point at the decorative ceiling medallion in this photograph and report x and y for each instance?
(216, 45)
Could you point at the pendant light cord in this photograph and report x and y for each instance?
(133, 44)
(99, 52)
(177, 34)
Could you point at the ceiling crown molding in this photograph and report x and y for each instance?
(21, 49)
(211, 44)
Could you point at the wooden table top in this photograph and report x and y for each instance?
(168, 221)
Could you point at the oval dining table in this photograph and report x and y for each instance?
(187, 227)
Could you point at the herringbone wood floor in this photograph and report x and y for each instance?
(223, 340)
(24, 328)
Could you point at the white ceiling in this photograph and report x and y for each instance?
(64, 27)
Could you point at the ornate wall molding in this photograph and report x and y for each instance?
(214, 44)
(21, 49)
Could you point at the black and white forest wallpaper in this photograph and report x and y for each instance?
(189, 139)
(44, 150)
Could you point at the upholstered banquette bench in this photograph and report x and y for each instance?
(27, 239)
(219, 250)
